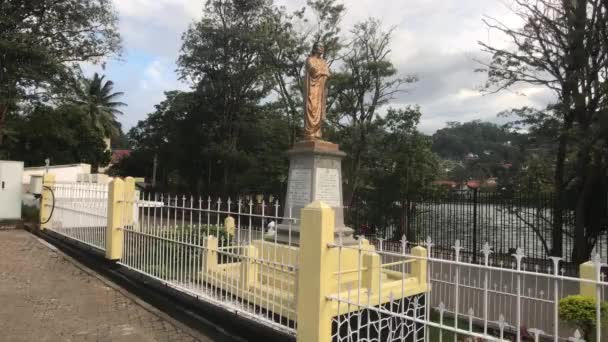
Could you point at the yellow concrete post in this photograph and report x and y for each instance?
(210, 254)
(419, 268)
(248, 267)
(230, 226)
(129, 201)
(116, 219)
(587, 271)
(315, 273)
(371, 276)
(46, 201)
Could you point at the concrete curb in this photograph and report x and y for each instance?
(11, 224)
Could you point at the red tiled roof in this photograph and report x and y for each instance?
(449, 183)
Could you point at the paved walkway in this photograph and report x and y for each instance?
(44, 297)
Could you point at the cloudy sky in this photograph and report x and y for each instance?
(435, 40)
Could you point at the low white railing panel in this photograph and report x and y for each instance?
(79, 211)
(184, 242)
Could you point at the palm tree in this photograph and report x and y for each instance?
(101, 104)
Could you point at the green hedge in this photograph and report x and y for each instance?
(580, 312)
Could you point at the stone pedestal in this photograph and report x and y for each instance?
(315, 173)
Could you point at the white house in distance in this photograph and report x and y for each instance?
(63, 173)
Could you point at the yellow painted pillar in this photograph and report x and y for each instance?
(116, 219)
(587, 271)
(230, 226)
(46, 201)
(129, 202)
(248, 267)
(210, 254)
(419, 268)
(315, 274)
(371, 275)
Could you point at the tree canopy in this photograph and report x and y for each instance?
(97, 99)
(63, 134)
(42, 43)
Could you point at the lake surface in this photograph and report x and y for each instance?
(504, 227)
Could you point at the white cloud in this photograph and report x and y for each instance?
(464, 94)
(154, 70)
(156, 26)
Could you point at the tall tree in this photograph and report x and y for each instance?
(174, 141)
(100, 103)
(563, 46)
(179, 133)
(42, 43)
(367, 81)
(222, 54)
(62, 133)
(407, 168)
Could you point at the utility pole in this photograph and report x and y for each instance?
(154, 170)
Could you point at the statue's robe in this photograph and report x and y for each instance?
(317, 72)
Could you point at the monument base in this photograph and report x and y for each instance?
(315, 173)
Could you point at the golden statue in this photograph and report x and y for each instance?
(315, 92)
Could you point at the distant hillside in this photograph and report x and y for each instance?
(483, 139)
(481, 150)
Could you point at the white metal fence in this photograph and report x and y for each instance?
(226, 253)
(467, 301)
(185, 243)
(79, 211)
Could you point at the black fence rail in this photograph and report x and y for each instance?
(506, 221)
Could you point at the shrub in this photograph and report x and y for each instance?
(580, 311)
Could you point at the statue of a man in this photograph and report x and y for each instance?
(315, 96)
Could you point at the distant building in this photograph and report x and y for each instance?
(473, 184)
(471, 156)
(63, 173)
(446, 183)
(489, 184)
(506, 165)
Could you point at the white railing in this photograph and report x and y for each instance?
(467, 301)
(192, 245)
(79, 211)
(244, 257)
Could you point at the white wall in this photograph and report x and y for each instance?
(10, 192)
(63, 173)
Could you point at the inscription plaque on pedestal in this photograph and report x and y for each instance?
(315, 174)
(298, 194)
(327, 186)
